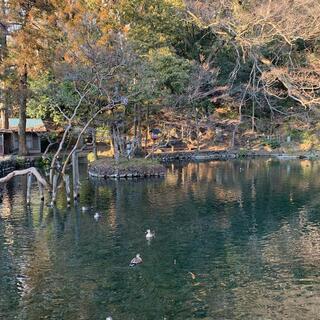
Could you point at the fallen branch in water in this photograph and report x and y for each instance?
(31, 170)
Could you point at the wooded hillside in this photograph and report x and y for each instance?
(193, 69)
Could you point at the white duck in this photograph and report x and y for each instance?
(108, 318)
(150, 234)
(136, 260)
(96, 216)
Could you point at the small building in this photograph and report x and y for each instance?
(9, 138)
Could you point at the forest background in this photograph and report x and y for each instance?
(209, 74)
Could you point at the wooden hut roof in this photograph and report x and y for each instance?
(33, 125)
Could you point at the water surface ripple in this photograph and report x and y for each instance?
(234, 240)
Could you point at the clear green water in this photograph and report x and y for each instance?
(234, 240)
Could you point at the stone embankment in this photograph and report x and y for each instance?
(195, 156)
(136, 168)
(9, 164)
(207, 155)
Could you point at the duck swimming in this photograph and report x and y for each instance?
(96, 216)
(136, 260)
(149, 234)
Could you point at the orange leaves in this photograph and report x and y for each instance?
(30, 40)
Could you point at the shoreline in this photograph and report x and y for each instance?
(11, 163)
(205, 155)
(106, 168)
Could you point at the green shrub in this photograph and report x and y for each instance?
(272, 143)
(20, 161)
(44, 163)
(243, 153)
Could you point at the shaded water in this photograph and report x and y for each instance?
(234, 240)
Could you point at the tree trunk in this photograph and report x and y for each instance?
(121, 142)
(42, 183)
(240, 112)
(54, 189)
(29, 185)
(147, 128)
(4, 121)
(3, 54)
(23, 112)
(252, 117)
(197, 131)
(139, 129)
(94, 144)
(75, 175)
(32, 170)
(115, 144)
(66, 179)
(135, 123)
(233, 140)
(41, 191)
(55, 158)
(3, 115)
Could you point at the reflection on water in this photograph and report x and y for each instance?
(235, 240)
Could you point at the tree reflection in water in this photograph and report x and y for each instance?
(235, 240)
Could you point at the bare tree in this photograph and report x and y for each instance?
(278, 39)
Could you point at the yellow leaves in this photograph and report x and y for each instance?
(306, 146)
(93, 4)
(175, 3)
(237, 6)
(164, 51)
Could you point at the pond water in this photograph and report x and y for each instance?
(234, 240)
